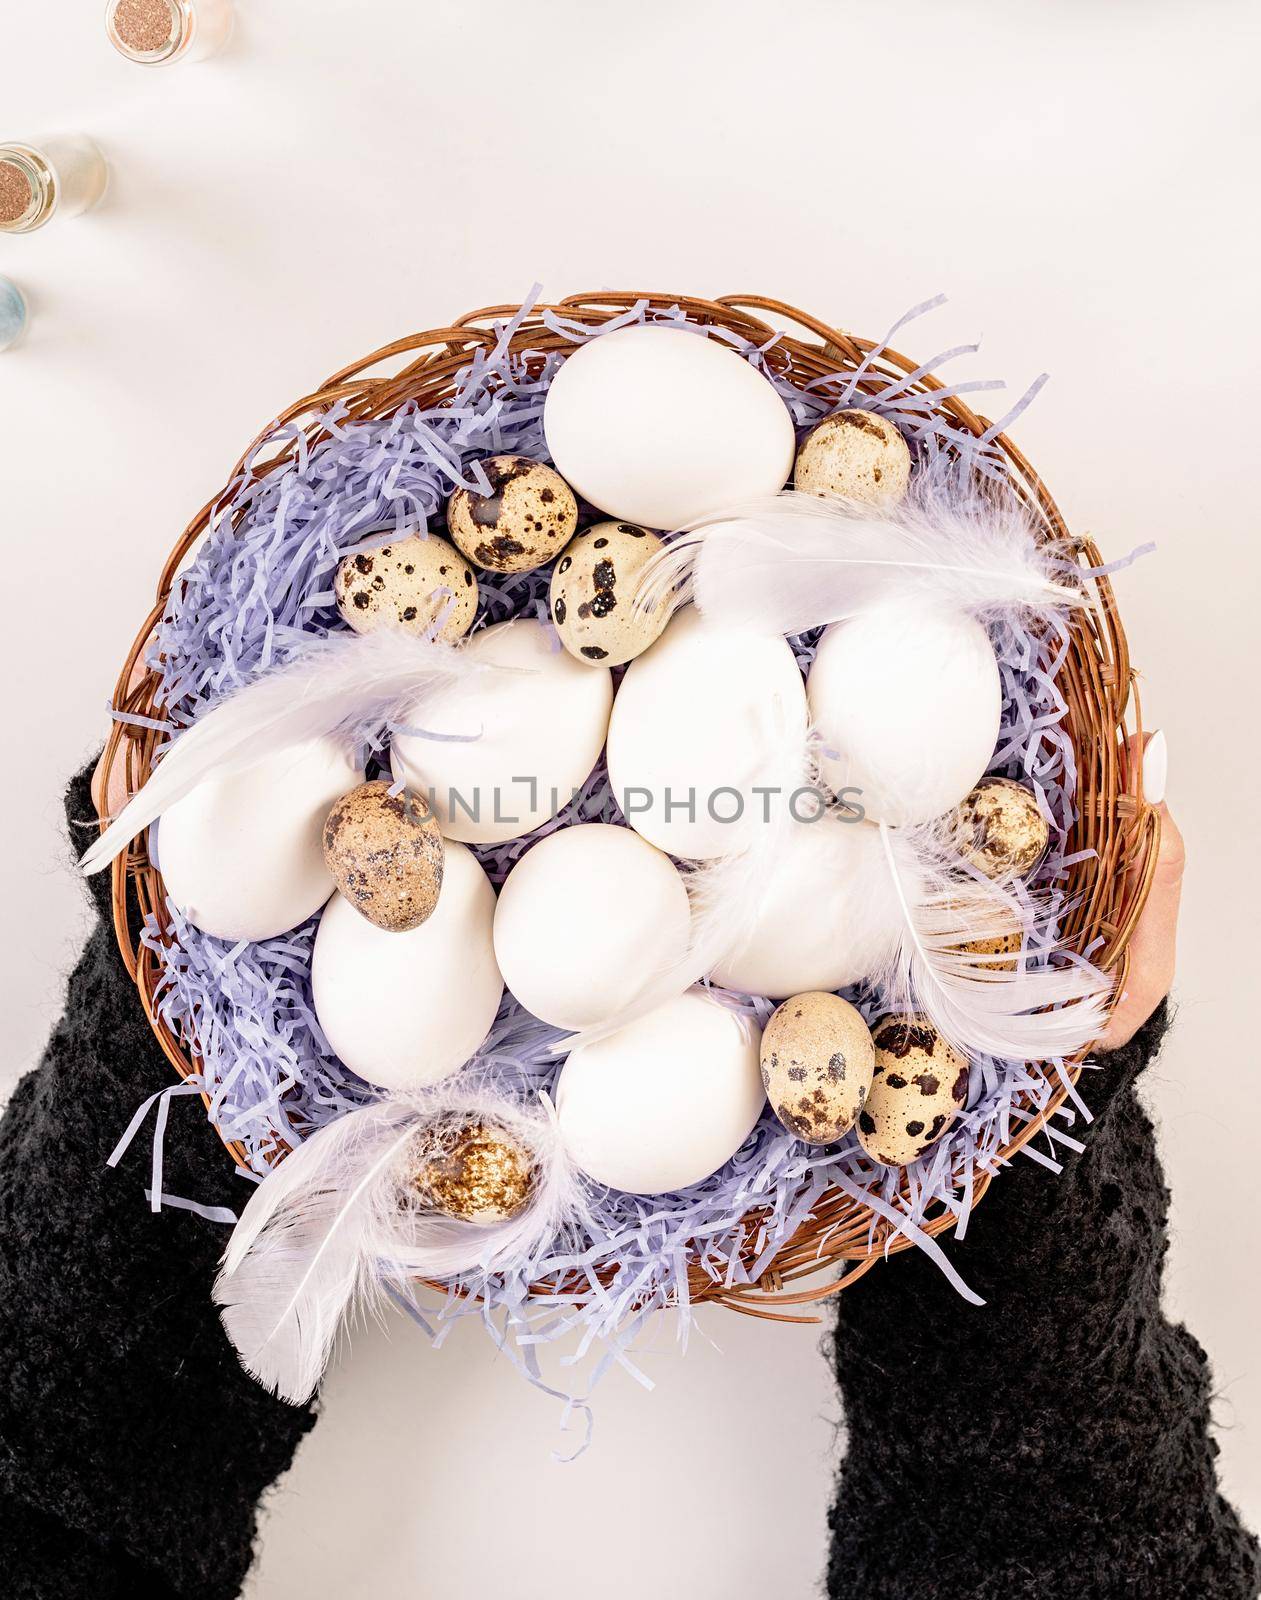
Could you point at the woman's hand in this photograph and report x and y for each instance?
(1153, 948)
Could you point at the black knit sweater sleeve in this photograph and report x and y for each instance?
(132, 1447)
(1055, 1442)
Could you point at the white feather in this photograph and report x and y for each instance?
(300, 1255)
(974, 1004)
(918, 901)
(834, 883)
(337, 685)
(727, 894)
(793, 561)
(338, 1223)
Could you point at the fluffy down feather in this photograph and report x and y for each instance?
(973, 1003)
(339, 1223)
(343, 684)
(793, 562)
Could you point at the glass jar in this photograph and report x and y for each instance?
(61, 176)
(156, 32)
(13, 313)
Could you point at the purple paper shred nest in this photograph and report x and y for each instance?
(263, 580)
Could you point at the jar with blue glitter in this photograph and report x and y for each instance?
(12, 313)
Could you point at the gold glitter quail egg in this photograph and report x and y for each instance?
(386, 854)
(593, 590)
(918, 1088)
(409, 584)
(528, 517)
(817, 1064)
(856, 454)
(1000, 829)
(483, 1177)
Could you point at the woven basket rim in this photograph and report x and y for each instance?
(843, 1238)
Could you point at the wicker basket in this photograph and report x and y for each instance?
(843, 1239)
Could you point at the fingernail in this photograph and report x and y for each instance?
(1155, 768)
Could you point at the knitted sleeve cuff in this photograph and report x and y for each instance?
(81, 827)
(1117, 1069)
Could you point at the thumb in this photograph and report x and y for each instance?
(1153, 946)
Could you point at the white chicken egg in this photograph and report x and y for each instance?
(826, 917)
(658, 425)
(504, 751)
(907, 701)
(664, 1101)
(699, 719)
(404, 1010)
(242, 856)
(587, 918)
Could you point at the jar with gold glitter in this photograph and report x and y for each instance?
(62, 176)
(154, 33)
(480, 1175)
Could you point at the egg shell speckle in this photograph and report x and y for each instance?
(1003, 947)
(1001, 832)
(408, 584)
(385, 853)
(856, 454)
(918, 1088)
(817, 1066)
(593, 588)
(528, 517)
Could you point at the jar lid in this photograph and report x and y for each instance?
(148, 31)
(26, 190)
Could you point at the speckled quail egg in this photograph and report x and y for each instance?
(918, 1088)
(528, 517)
(1001, 830)
(817, 1064)
(593, 591)
(1002, 945)
(385, 852)
(410, 583)
(856, 454)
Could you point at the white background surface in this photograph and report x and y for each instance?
(1080, 178)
